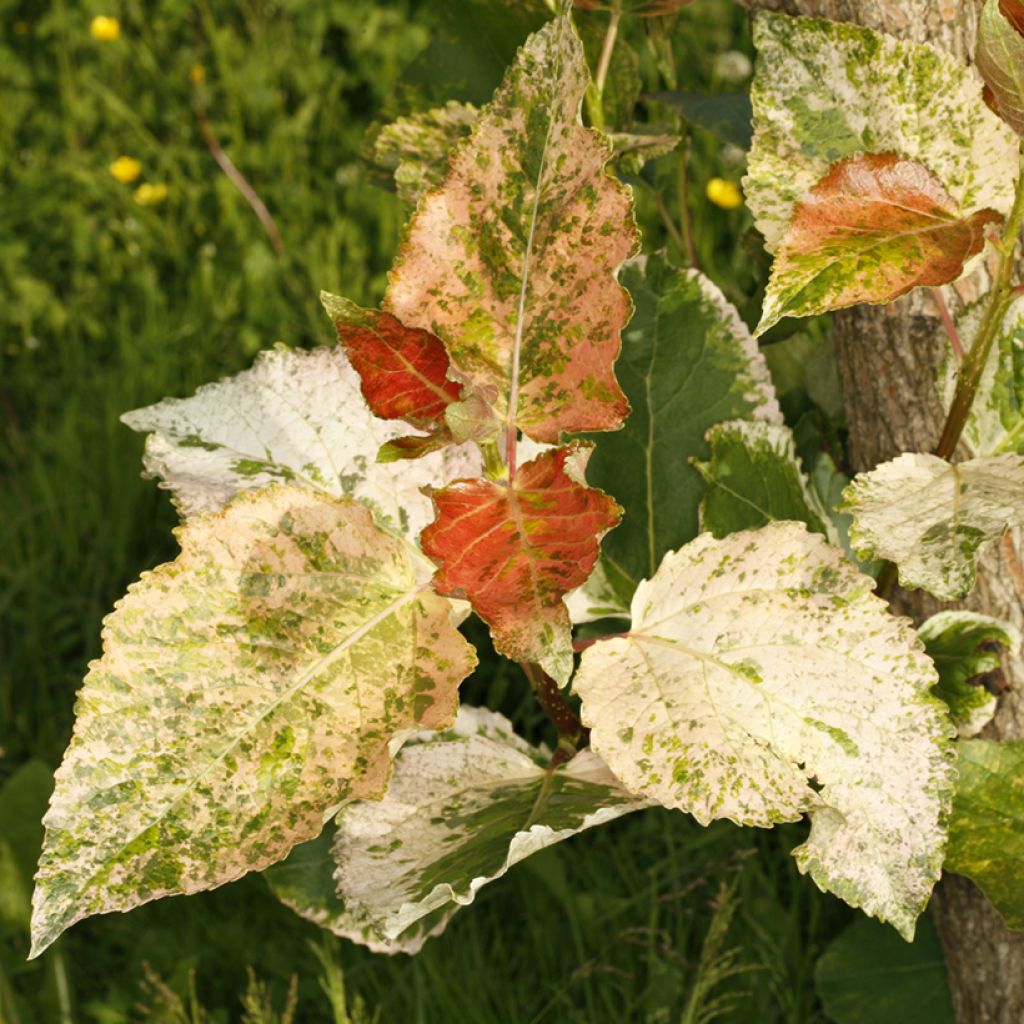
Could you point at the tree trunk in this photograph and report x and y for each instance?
(887, 359)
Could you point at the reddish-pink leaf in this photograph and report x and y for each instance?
(876, 226)
(1013, 12)
(515, 549)
(512, 261)
(403, 370)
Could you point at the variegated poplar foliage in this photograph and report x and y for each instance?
(283, 695)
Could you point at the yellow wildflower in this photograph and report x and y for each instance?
(105, 29)
(125, 169)
(150, 195)
(197, 74)
(725, 194)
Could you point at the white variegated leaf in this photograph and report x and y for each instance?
(933, 518)
(296, 416)
(825, 91)
(462, 808)
(996, 421)
(304, 882)
(245, 689)
(761, 680)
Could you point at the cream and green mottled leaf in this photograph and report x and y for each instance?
(996, 421)
(986, 828)
(295, 417)
(762, 680)
(824, 91)
(966, 650)
(754, 477)
(416, 149)
(512, 261)
(688, 362)
(244, 690)
(304, 882)
(932, 518)
(463, 807)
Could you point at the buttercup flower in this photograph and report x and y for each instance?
(105, 29)
(150, 195)
(125, 168)
(725, 194)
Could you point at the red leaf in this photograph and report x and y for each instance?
(404, 370)
(876, 226)
(1013, 12)
(515, 549)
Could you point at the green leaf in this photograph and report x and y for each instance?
(415, 150)
(986, 828)
(754, 477)
(933, 519)
(304, 882)
(726, 115)
(512, 261)
(244, 690)
(296, 417)
(762, 680)
(999, 57)
(824, 91)
(463, 807)
(996, 420)
(23, 800)
(867, 976)
(688, 362)
(965, 648)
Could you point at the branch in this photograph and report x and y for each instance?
(565, 720)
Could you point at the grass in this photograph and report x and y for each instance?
(108, 305)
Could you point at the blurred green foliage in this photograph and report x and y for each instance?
(107, 303)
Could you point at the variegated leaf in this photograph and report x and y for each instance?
(403, 373)
(827, 91)
(416, 149)
(995, 423)
(762, 680)
(298, 417)
(688, 362)
(245, 689)
(754, 477)
(515, 548)
(463, 807)
(965, 648)
(876, 226)
(512, 261)
(932, 518)
(999, 58)
(304, 882)
(986, 828)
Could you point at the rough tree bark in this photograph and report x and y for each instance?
(887, 361)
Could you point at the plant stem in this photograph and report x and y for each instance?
(947, 322)
(974, 362)
(685, 220)
(551, 700)
(605, 60)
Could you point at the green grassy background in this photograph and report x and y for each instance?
(106, 305)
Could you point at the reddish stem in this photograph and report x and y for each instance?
(947, 322)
